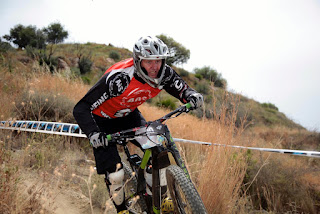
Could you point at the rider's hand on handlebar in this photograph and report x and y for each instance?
(196, 100)
(98, 139)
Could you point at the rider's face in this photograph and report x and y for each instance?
(152, 67)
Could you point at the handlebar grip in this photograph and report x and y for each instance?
(188, 105)
(109, 137)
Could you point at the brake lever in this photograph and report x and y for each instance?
(179, 113)
(183, 110)
(116, 138)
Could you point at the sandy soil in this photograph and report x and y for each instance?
(56, 194)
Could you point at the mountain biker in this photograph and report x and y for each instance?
(111, 104)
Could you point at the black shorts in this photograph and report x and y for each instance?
(107, 158)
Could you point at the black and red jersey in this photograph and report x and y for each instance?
(120, 91)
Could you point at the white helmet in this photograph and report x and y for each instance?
(150, 48)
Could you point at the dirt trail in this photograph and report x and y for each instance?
(55, 195)
(71, 203)
(52, 197)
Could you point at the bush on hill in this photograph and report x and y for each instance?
(43, 106)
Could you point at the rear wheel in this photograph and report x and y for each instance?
(135, 203)
(183, 193)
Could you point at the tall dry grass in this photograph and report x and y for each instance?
(58, 85)
(280, 182)
(15, 195)
(11, 86)
(218, 172)
(39, 96)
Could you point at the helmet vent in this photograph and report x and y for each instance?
(145, 41)
(156, 47)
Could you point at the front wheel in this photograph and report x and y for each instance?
(183, 193)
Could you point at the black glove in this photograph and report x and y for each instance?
(196, 100)
(98, 139)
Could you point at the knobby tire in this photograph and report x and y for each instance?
(183, 193)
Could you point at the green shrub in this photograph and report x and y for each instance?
(114, 55)
(199, 76)
(211, 75)
(202, 87)
(42, 57)
(85, 64)
(5, 46)
(52, 62)
(86, 80)
(269, 106)
(167, 103)
(75, 71)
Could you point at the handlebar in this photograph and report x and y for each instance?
(124, 135)
(184, 108)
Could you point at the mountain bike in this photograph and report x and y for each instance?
(160, 175)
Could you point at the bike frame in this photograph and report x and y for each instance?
(159, 154)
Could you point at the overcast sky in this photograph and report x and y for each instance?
(268, 50)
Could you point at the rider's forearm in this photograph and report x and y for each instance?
(83, 116)
(176, 86)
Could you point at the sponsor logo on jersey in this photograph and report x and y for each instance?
(105, 115)
(118, 83)
(122, 112)
(97, 103)
(136, 97)
(178, 84)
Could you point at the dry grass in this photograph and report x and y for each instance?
(14, 86)
(58, 85)
(37, 169)
(10, 87)
(217, 172)
(283, 182)
(15, 197)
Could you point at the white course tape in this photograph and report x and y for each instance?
(314, 154)
(191, 141)
(74, 130)
(67, 129)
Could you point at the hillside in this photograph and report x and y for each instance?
(89, 61)
(49, 174)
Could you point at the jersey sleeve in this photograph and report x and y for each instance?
(176, 86)
(82, 111)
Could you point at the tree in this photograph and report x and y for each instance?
(179, 53)
(212, 75)
(40, 40)
(23, 36)
(55, 33)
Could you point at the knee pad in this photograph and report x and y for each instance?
(116, 183)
